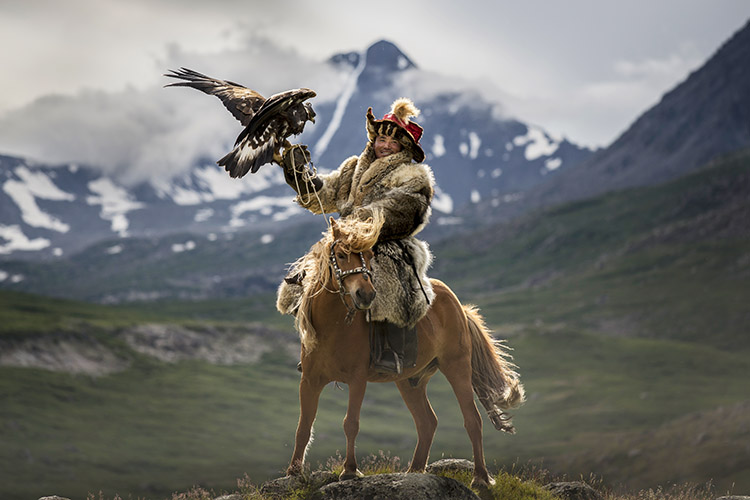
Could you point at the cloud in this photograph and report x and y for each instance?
(157, 133)
(669, 67)
(612, 101)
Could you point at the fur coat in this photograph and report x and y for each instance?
(402, 191)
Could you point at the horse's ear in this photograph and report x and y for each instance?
(334, 228)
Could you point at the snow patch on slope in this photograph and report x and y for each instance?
(264, 205)
(24, 193)
(343, 101)
(16, 240)
(537, 143)
(115, 202)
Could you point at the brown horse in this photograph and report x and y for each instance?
(452, 338)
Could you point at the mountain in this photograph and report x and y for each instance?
(705, 116)
(54, 211)
(476, 152)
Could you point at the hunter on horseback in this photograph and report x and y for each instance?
(388, 181)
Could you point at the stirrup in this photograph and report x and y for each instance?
(389, 362)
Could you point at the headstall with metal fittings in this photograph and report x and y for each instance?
(340, 275)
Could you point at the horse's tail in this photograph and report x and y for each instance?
(494, 378)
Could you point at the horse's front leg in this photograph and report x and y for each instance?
(309, 394)
(351, 427)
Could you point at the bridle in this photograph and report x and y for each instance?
(340, 275)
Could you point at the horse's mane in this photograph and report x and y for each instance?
(353, 235)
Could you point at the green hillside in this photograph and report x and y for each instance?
(627, 315)
(671, 261)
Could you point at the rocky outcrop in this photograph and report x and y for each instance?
(283, 487)
(231, 346)
(64, 353)
(401, 486)
(323, 485)
(448, 465)
(88, 352)
(574, 490)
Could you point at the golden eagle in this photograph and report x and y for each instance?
(268, 122)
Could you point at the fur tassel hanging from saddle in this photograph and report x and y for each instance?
(400, 277)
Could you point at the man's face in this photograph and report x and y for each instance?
(386, 145)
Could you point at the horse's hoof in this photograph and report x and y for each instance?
(346, 475)
(294, 470)
(482, 483)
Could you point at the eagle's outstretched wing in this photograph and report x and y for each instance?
(241, 101)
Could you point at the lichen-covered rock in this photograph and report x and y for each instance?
(401, 486)
(574, 490)
(283, 487)
(451, 465)
(233, 496)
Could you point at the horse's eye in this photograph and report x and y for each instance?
(340, 255)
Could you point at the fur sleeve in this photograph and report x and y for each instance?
(335, 190)
(406, 203)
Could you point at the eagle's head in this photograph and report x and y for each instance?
(310, 112)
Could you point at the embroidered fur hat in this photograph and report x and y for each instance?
(397, 124)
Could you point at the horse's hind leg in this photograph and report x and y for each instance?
(351, 427)
(309, 394)
(424, 419)
(458, 373)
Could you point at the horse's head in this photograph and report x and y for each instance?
(351, 268)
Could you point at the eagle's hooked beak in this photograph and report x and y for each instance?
(310, 112)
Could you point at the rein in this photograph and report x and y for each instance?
(340, 275)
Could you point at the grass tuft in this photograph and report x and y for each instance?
(510, 486)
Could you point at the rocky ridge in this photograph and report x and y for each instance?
(85, 354)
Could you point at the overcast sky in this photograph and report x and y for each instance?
(584, 69)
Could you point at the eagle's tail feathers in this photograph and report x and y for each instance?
(244, 158)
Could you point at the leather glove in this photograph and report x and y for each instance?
(296, 173)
